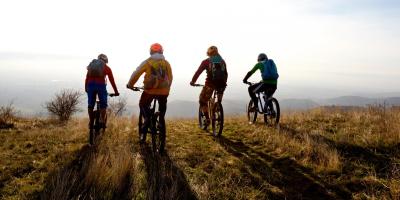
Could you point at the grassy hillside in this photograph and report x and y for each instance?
(318, 154)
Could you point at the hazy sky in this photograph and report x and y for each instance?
(331, 45)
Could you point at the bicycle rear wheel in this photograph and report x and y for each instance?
(251, 112)
(202, 120)
(272, 117)
(217, 119)
(96, 126)
(157, 135)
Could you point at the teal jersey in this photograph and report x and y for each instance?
(260, 66)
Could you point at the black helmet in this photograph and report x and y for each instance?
(262, 57)
(103, 57)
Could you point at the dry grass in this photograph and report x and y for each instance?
(323, 154)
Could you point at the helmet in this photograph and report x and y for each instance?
(262, 57)
(103, 57)
(212, 51)
(156, 48)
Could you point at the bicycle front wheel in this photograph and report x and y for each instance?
(157, 134)
(217, 119)
(272, 117)
(202, 120)
(251, 112)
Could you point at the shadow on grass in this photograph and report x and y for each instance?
(295, 181)
(377, 157)
(70, 181)
(164, 179)
(359, 162)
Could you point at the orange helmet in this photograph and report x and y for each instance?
(212, 51)
(156, 48)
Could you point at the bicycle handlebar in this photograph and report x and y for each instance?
(113, 95)
(137, 89)
(198, 85)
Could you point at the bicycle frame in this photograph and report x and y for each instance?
(261, 105)
(211, 102)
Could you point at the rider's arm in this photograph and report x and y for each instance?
(200, 70)
(251, 72)
(136, 74)
(111, 78)
(226, 72)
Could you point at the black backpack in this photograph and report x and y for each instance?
(218, 71)
(96, 68)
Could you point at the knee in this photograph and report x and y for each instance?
(202, 103)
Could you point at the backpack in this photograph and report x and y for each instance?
(218, 70)
(96, 68)
(270, 71)
(159, 75)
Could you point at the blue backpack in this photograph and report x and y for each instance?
(270, 71)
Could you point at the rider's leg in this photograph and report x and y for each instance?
(91, 95)
(103, 104)
(162, 102)
(91, 118)
(252, 92)
(220, 94)
(144, 105)
(205, 95)
(269, 91)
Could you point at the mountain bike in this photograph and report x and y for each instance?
(270, 109)
(156, 128)
(93, 135)
(216, 114)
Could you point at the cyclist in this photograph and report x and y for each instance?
(217, 76)
(95, 85)
(157, 83)
(269, 75)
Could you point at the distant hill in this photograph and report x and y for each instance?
(297, 104)
(359, 101)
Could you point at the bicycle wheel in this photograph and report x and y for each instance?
(202, 120)
(271, 118)
(140, 124)
(251, 113)
(157, 135)
(217, 119)
(96, 126)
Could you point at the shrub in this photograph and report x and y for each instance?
(117, 107)
(64, 104)
(7, 116)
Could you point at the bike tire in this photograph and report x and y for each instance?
(140, 124)
(273, 119)
(218, 119)
(157, 135)
(96, 127)
(202, 120)
(251, 115)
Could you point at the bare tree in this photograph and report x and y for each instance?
(117, 107)
(64, 104)
(7, 115)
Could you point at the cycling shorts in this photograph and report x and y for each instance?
(97, 90)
